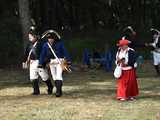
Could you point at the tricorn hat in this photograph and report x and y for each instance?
(51, 34)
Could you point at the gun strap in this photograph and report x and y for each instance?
(54, 53)
(30, 52)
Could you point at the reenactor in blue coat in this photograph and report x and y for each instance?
(54, 53)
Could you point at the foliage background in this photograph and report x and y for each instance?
(89, 23)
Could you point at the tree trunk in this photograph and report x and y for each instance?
(24, 18)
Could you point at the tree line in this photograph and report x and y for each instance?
(73, 16)
(88, 14)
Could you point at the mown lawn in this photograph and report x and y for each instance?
(87, 96)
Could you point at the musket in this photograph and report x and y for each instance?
(129, 28)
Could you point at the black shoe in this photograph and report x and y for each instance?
(35, 84)
(157, 69)
(58, 93)
(50, 87)
(35, 93)
(58, 84)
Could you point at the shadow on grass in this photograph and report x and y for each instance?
(25, 97)
(89, 93)
(145, 96)
(92, 84)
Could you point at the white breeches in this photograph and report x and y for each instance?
(35, 72)
(56, 70)
(156, 58)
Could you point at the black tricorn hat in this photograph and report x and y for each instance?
(51, 34)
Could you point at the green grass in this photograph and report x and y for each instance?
(87, 96)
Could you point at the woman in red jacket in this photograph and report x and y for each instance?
(127, 87)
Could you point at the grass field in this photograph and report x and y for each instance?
(87, 96)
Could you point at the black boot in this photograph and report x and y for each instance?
(50, 86)
(157, 69)
(35, 84)
(58, 84)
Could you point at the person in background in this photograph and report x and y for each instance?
(86, 58)
(96, 58)
(155, 44)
